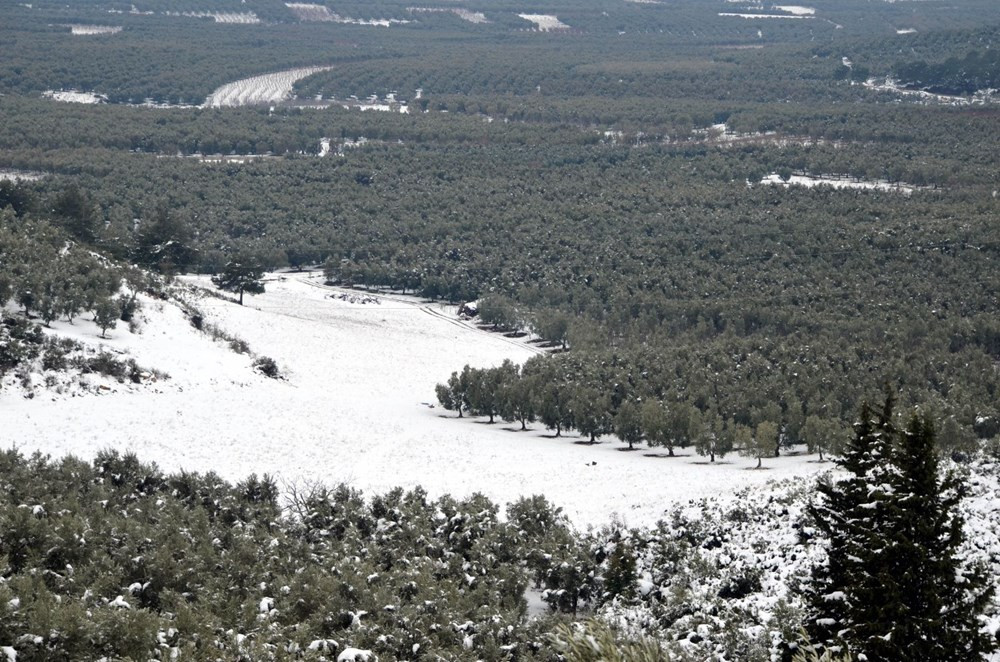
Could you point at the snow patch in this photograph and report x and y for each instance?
(797, 10)
(838, 182)
(313, 13)
(74, 96)
(266, 88)
(235, 18)
(94, 29)
(765, 15)
(464, 14)
(545, 22)
(9, 175)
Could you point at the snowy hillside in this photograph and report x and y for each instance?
(355, 406)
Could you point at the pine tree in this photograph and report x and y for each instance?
(240, 276)
(893, 587)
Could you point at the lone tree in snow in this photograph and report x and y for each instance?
(895, 586)
(240, 276)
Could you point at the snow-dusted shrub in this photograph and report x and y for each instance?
(266, 366)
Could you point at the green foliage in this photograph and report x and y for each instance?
(894, 586)
(241, 275)
(116, 559)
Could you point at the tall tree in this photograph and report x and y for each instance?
(894, 586)
(239, 276)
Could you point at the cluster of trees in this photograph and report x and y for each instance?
(49, 279)
(548, 390)
(189, 565)
(978, 70)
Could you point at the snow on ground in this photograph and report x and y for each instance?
(796, 9)
(355, 407)
(238, 18)
(838, 181)
(266, 88)
(309, 12)
(906, 31)
(545, 22)
(464, 14)
(94, 29)
(981, 97)
(764, 15)
(8, 175)
(73, 96)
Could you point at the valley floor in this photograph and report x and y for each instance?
(357, 405)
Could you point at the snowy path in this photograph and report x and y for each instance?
(354, 409)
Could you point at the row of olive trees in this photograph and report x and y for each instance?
(542, 390)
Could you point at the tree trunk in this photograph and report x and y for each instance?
(523, 425)
(491, 417)
(758, 461)
(241, 296)
(592, 438)
(558, 430)
(711, 454)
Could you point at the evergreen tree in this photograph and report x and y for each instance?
(893, 587)
(241, 276)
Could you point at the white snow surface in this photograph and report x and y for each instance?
(464, 14)
(354, 407)
(236, 18)
(94, 29)
(266, 88)
(545, 22)
(73, 96)
(765, 15)
(313, 13)
(798, 10)
(10, 175)
(838, 181)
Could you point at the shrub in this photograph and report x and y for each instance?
(267, 367)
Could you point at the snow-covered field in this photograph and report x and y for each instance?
(236, 18)
(765, 15)
(838, 181)
(313, 13)
(889, 85)
(464, 14)
(73, 96)
(309, 12)
(355, 407)
(8, 175)
(798, 10)
(266, 88)
(94, 29)
(545, 22)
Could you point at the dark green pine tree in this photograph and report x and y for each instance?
(240, 276)
(940, 596)
(846, 515)
(894, 587)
